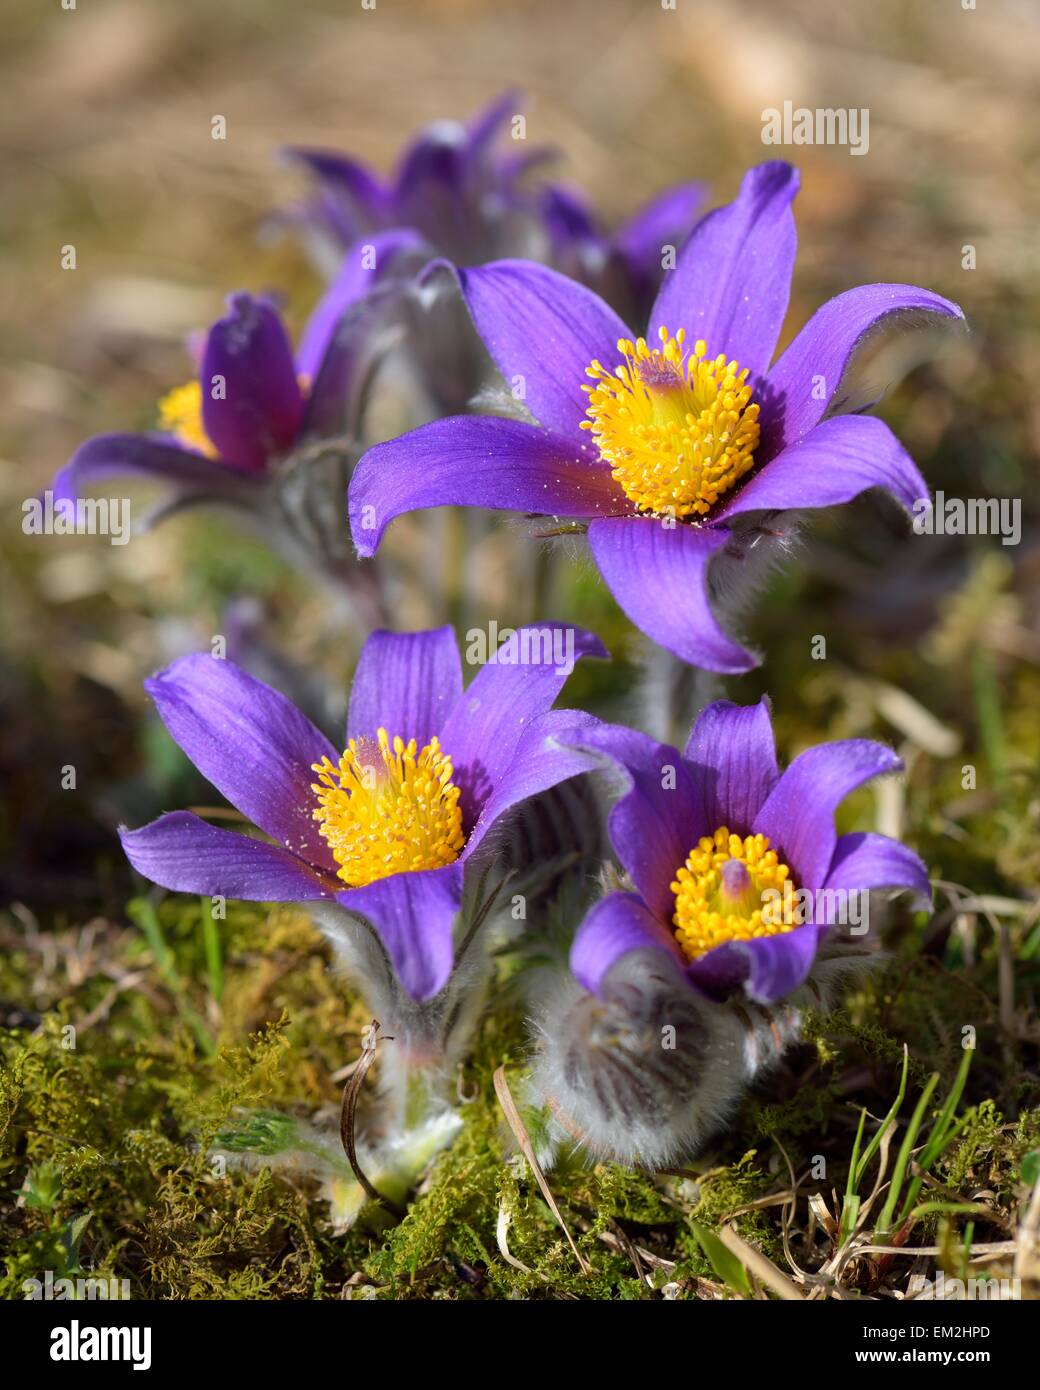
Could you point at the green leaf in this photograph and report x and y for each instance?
(43, 1185)
(723, 1261)
(71, 1235)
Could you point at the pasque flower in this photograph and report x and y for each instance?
(659, 444)
(385, 828)
(737, 869)
(469, 193)
(453, 185)
(648, 1070)
(625, 265)
(260, 429)
(466, 191)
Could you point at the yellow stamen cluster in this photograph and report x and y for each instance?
(180, 414)
(677, 430)
(707, 910)
(387, 808)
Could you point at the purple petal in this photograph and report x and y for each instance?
(360, 199)
(517, 685)
(734, 754)
(865, 860)
(658, 574)
(798, 814)
(151, 455)
(252, 743)
(720, 973)
(406, 683)
(545, 330)
(732, 280)
(822, 353)
(570, 222)
(258, 414)
(486, 126)
(513, 167)
(618, 924)
(767, 967)
(432, 165)
(835, 462)
(183, 853)
(365, 331)
(665, 221)
(365, 265)
(659, 819)
(478, 461)
(432, 185)
(542, 759)
(414, 915)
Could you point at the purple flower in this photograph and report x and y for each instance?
(738, 870)
(626, 266)
(452, 185)
(659, 447)
(471, 203)
(386, 828)
(222, 435)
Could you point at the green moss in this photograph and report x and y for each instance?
(106, 1131)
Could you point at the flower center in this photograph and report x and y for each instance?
(180, 414)
(677, 430)
(731, 889)
(388, 807)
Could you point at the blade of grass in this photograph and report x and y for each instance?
(143, 914)
(950, 1209)
(723, 1261)
(987, 711)
(889, 1119)
(937, 1139)
(903, 1158)
(213, 948)
(1032, 946)
(851, 1202)
(966, 1244)
(516, 1124)
(849, 1216)
(942, 1134)
(760, 1265)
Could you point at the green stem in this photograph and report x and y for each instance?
(987, 708)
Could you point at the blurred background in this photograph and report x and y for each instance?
(933, 644)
